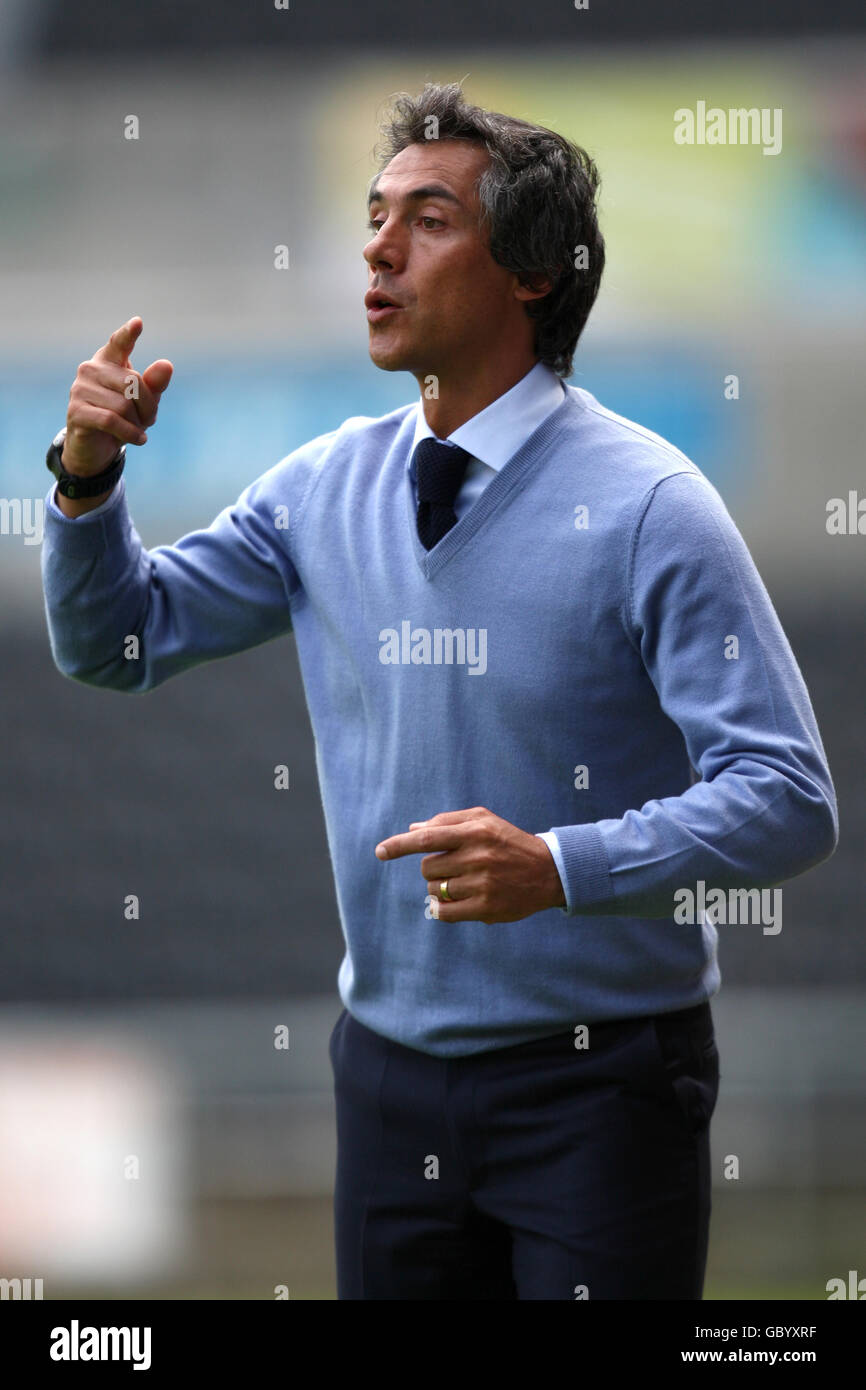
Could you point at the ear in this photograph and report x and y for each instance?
(536, 287)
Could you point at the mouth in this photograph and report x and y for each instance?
(380, 306)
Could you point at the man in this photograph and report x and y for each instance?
(514, 614)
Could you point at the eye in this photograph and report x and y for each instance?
(374, 226)
(432, 219)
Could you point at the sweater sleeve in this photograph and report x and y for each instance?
(764, 807)
(214, 592)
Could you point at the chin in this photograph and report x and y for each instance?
(388, 361)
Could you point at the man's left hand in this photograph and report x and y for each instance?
(495, 871)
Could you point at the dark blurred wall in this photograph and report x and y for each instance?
(91, 27)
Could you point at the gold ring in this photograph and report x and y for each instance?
(443, 891)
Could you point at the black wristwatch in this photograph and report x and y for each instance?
(74, 485)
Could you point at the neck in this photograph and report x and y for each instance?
(461, 397)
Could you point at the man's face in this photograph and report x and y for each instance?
(428, 254)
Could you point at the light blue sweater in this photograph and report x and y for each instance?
(591, 629)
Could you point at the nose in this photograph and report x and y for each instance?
(383, 249)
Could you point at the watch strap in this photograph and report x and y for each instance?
(76, 485)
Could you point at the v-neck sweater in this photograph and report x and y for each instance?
(590, 650)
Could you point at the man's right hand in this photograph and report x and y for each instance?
(109, 402)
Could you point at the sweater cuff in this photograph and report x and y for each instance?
(585, 871)
(74, 535)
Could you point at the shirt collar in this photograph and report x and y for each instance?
(496, 433)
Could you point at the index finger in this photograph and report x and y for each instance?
(425, 839)
(450, 817)
(120, 344)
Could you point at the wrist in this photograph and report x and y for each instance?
(82, 486)
(70, 464)
(554, 892)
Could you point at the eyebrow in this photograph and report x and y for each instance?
(429, 190)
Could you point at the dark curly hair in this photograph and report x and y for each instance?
(538, 203)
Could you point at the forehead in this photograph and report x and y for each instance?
(455, 163)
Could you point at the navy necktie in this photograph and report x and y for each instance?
(439, 471)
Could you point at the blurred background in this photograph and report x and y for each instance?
(166, 1115)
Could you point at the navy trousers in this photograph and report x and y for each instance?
(541, 1171)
